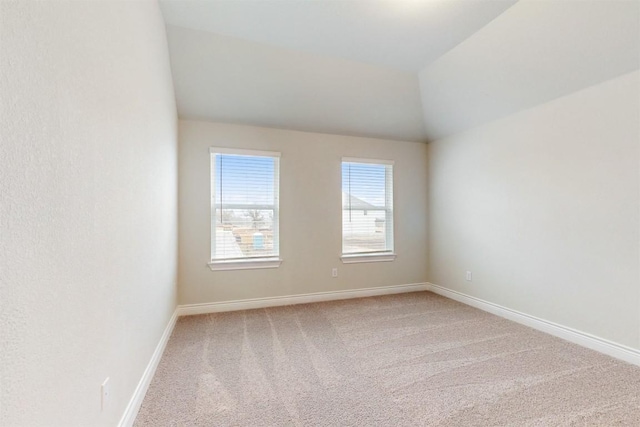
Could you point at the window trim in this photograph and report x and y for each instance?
(356, 258)
(272, 261)
(367, 161)
(378, 256)
(245, 264)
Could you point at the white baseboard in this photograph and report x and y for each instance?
(215, 307)
(584, 339)
(133, 407)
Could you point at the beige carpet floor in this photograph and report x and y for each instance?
(413, 359)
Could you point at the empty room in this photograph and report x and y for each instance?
(319, 213)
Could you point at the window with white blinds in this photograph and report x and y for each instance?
(367, 207)
(244, 205)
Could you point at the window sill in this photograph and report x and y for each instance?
(352, 259)
(248, 264)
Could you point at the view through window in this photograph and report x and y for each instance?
(244, 201)
(367, 207)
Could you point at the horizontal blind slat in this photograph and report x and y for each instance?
(367, 216)
(244, 206)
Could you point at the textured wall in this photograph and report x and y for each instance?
(543, 207)
(310, 214)
(87, 206)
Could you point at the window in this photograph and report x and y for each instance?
(367, 210)
(244, 209)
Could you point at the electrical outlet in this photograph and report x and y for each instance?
(105, 391)
(334, 272)
(469, 276)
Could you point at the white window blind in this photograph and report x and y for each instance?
(367, 207)
(244, 205)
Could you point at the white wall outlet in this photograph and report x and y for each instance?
(469, 276)
(105, 392)
(334, 272)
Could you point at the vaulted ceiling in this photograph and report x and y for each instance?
(402, 69)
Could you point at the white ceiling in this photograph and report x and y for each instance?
(402, 34)
(399, 69)
(534, 52)
(231, 80)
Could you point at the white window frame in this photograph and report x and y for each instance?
(388, 254)
(245, 263)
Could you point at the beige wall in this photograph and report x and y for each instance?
(88, 202)
(310, 214)
(543, 208)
